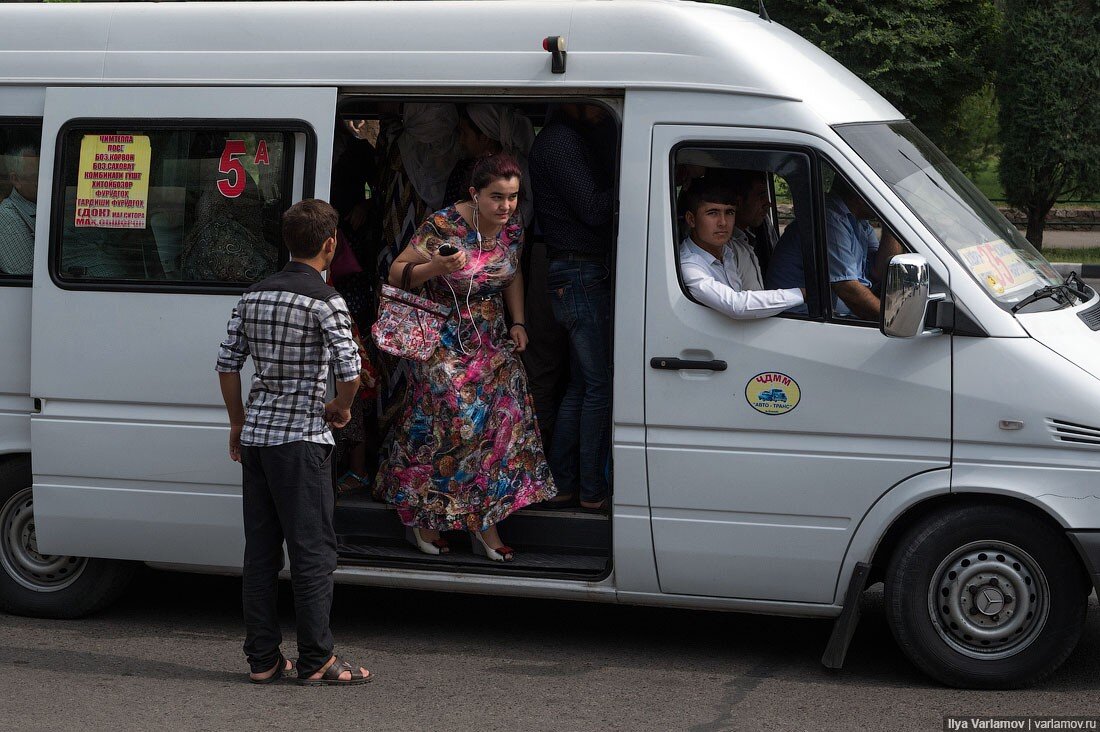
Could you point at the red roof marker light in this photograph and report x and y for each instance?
(555, 45)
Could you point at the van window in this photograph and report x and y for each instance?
(768, 193)
(19, 155)
(194, 206)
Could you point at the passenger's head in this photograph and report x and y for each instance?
(709, 210)
(750, 191)
(852, 200)
(23, 173)
(473, 140)
(591, 115)
(494, 187)
(309, 230)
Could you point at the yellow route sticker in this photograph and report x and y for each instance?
(772, 393)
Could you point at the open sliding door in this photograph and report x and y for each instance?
(158, 207)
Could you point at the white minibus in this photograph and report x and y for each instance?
(949, 448)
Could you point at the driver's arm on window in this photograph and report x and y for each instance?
(888, 248)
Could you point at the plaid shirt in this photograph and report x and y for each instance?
(16, 235)
(293, 325)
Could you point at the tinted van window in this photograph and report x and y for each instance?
(19, 155)
(186, 206)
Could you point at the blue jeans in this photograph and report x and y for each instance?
(580, 295)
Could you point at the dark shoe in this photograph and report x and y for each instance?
(596, 505)
(280, 671)
(561, 501)
(331, 676)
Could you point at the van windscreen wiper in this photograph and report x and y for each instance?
(1059, 293)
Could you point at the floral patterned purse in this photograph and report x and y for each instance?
(408, 326)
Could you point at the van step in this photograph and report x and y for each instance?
(364, 550)
(535, 529)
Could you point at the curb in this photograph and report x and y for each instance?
(1088, 271)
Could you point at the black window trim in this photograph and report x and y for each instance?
(57, 212)
(20, 280)
(815, 206)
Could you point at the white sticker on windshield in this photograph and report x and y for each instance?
(999, 267)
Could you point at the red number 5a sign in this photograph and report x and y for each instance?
(231, 166)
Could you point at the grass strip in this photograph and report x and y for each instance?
(1088, 255)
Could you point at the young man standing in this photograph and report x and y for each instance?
(294, 326)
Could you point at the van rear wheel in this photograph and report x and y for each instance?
(986, 597)
(44, 585)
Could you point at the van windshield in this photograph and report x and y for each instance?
(980, 237)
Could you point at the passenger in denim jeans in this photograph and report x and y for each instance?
(571, 176)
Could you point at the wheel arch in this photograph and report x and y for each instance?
(911, 501)
(891, 539)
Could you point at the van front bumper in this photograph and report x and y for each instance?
(1088, 546)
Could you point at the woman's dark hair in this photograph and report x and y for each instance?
(493, 168)
(306, 225)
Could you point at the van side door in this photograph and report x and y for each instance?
(165, 203)
(768, 440)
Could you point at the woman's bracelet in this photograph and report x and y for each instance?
(521, 325)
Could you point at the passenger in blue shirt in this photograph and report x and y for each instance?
(857, 260)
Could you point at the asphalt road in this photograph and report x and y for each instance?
(167, 657)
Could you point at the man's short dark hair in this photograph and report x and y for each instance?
(706, 190)
(306, 225)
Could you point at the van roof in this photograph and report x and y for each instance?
(613, 45)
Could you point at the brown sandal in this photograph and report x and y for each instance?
(331, 676)
(280, 671)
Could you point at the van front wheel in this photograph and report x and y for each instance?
(986, 597)
(44, 585)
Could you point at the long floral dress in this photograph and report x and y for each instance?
(466, 451)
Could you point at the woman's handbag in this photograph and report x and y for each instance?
(408, 326)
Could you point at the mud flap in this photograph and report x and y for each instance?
(845, 626)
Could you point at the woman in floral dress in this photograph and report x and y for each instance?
(466, 451)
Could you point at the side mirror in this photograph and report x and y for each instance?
(905, 297)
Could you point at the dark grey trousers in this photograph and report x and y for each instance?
(288, 496)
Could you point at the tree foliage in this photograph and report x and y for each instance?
(927, 57)
(1048, 82)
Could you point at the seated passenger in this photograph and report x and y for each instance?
(17, 213)
(720, 271)
(856, 259)
(753, 227)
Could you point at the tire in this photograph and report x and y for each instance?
(40, 585)
(985, 597)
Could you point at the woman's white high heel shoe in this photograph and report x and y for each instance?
(434, 547)
(501, 554)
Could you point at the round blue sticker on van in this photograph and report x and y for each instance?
(772, 393)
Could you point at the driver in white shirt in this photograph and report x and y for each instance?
(721, 271)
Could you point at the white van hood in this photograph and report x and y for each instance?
(1063, 332)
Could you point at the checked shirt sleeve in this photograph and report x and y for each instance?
(234, 349)
(335, 322)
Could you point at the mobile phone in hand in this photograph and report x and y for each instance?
(447, 250)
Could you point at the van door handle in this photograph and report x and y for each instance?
(675, 364)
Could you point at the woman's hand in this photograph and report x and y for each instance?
(442, 265)
(519, 337)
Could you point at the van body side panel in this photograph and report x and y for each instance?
(764, 506)
(1041, 463)
(130, 453)
(21, 103)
